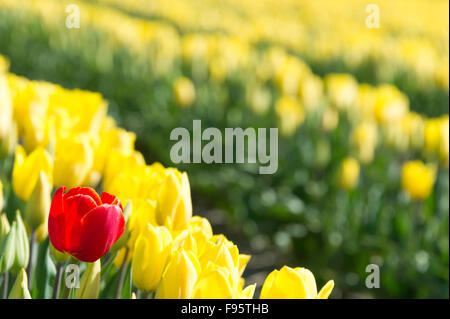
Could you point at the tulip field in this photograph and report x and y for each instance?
(93, 204)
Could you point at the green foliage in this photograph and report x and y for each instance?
(313, 222)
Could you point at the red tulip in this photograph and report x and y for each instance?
(83, 224)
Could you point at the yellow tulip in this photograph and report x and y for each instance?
(444, 147)
(432, 135)
(342, 90)
(6, 108)
(186, 241)
(9, 143)
(73, 160)
(214, 283)
(124, 164)
(293, 283)
(37, 207)
(179, 277)
(174, 206)
(390, 104)
(201, 230)
(4, 226)
(86, 110)
(310, 91)
(418, 179)
(143, 213)
(221, 255)
(90, 282)
(20, 288)
(290, 113)
(184, 91)
(330, 119)
(150, 256)
(113, 138)
(349, 173)
(36, 125)
(364, 139)
(27, 169)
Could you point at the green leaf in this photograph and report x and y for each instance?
(45, 272)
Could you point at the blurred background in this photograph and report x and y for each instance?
(353, 103)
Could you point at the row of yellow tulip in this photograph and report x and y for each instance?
(300, 91)
(69, 140)
(413, 34)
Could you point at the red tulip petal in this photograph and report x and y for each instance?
(84, 191)
(76, 207)
(56, 221)
(100, 229)
(107, 198)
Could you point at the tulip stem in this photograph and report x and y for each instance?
(31, 262)
(57, 280)
(123, 268)
(5, 285)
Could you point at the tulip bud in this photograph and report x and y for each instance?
(7, 250)
(22, 245)
(349, 173)
(4, 227)
(179, 277)
(184, 91)
(418, 179)
(9, 143)
(150, 255)
(27, 169)
(20, 288)
(293, 283)
(214, 283)
(174, 206)
(38, 206)
(90, 282)
(74, 158)
(6, 108)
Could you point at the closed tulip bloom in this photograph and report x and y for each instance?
(174, 206)
(38, 206)
(432, 132)
(27, 169)
(150, 255)
(293, 283)
(74, 158)
(4, 226)
(20, 288)
(342, 90)
(83, 224)
(22, 245)
(214, 283)
(90, 282)
(349, 173)
(7, 249)
(364, 139)
(6, 108)
(290, 113)
(184, 91)
(418, 179)
(179, 277)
